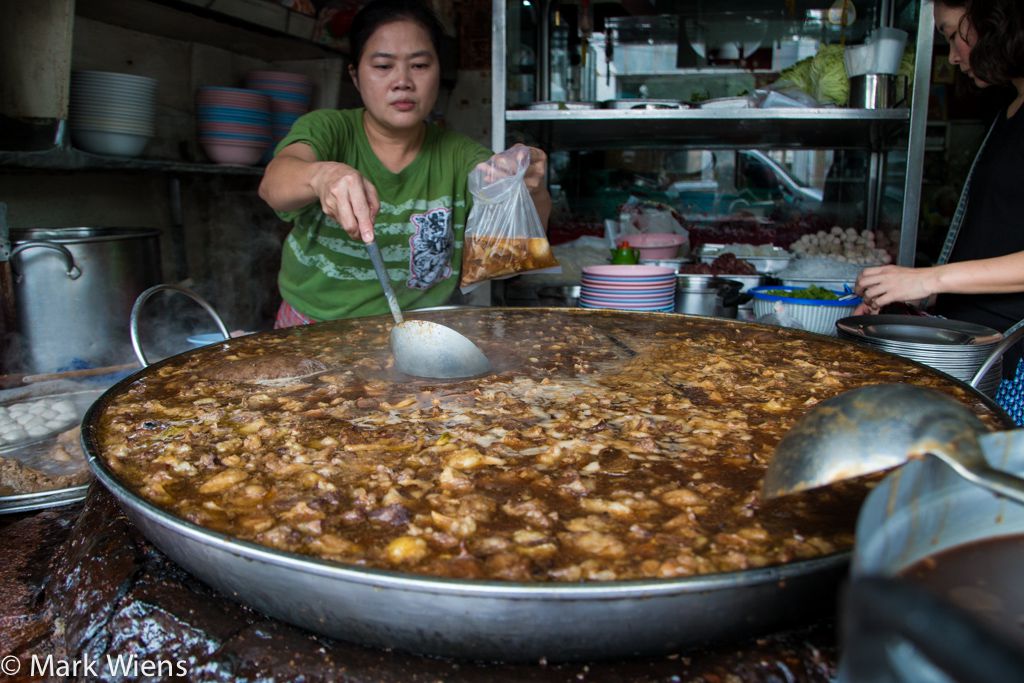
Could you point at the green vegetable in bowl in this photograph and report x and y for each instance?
(812, 292)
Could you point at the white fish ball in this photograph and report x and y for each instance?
(64, 406)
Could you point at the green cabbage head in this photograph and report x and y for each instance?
(828, 76)
(799, 75)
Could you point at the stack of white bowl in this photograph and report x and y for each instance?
(112, 113)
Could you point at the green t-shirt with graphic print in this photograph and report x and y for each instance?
(326, 275)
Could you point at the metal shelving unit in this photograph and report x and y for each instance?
(69, 159)
(35, 114)
(259, 28)
(876, 131)
(713, 129)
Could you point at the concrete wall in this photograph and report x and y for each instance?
(217, 236)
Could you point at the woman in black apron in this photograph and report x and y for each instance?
(980, 273)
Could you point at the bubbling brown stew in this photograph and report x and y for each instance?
(605, 446)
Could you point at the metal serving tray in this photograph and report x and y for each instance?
(33, 453)
(766, 265)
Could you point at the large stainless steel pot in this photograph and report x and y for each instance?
(481, 619)
(74, 289)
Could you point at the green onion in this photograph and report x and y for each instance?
(812, 292)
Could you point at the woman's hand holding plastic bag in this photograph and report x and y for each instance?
(504, 232)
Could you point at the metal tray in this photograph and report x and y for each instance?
(638, 103)
(765, 265)
(725, 103)
(25, 502)
(561, 106)
(81, 401)
(34, 453)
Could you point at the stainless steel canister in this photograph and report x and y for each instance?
(745, 309)
(877, 91)
(559, 296)
(707, 295)
(74, 289)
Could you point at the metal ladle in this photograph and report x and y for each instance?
(874, 428)
(426, 349)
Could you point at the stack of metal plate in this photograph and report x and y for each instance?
(955, 347)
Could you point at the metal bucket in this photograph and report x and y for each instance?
(74, 289)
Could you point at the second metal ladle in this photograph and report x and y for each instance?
(877, 427)
(426, 349)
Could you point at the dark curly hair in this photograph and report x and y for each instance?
(997, 56)
(379, 12)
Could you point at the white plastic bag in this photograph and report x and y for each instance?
(780, 317)
(638, 216)
(504, 233)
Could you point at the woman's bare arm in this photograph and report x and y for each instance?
(535, 183)
(888, 284)
(295, 178)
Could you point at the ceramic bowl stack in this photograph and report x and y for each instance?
(956, 348)
(112, 113)
(628, 288)
(290, 96)
(234, 124)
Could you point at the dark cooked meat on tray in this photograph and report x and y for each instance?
(605, 446)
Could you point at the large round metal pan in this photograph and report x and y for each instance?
(489, 620)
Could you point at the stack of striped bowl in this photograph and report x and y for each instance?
(290, 96)
(234, 124)
(112, 113)
(628, 288)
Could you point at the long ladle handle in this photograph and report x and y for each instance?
(382, 274)
(996, 354)
(996, 481)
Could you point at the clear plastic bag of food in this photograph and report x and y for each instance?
(504, 234)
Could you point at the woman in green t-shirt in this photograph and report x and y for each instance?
(378, 173)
